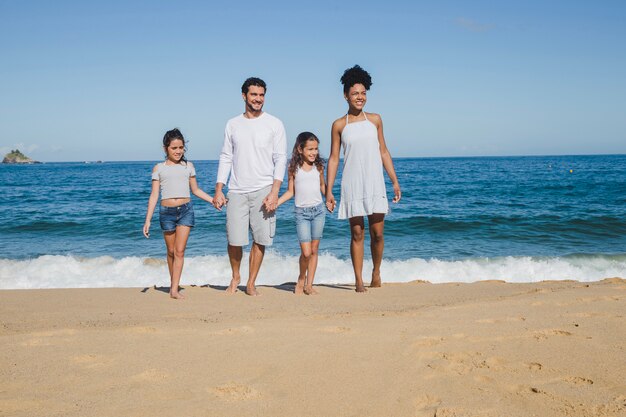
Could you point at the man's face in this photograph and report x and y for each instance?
(254, 98)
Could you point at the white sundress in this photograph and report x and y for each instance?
(362, 183)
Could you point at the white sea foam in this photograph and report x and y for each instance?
(72, 272)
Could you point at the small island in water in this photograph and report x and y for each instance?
(17, 157)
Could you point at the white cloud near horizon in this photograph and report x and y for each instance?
(472, 25)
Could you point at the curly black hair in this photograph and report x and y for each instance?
(355, 75)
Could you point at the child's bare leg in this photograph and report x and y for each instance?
(170, 238)
(377, 245)
(312, 267)
(305, 259)
(180, 243)
(235, 253)
(357, 225)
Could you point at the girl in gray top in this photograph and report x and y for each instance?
(173, 179)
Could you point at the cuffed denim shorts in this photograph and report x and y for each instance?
(310, 222)
(182, 215)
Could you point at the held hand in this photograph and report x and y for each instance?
(146, 230)
(219, 200)
(270, 202)
(397, 194)
(330, 202)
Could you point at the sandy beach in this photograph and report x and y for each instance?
(485, 349)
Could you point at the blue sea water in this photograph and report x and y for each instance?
(460, 219)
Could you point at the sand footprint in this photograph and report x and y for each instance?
(141, 329)
(233, 391)
(335, 329)
(578, 380)
(426, 405)
(544, 334)
(92, 361)
(50, 338)
(150, 375)
(427, 341)
(231, 331)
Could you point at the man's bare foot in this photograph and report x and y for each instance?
(360, 288)
(177, 296)
(252, 291)
(310, 291)
(299, 290)
(376, 282)
(232, 288)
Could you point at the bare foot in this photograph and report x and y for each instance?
(232, 288)
(299, 290)
(360, 288)
(177, 296)
(310, 291)
(376, 282)
(252, 291)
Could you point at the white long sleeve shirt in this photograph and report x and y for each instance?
(254, 153)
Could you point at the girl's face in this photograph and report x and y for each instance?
(176, 150)
(357, 97)
(309, 151)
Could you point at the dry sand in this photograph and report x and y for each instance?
(483, 349)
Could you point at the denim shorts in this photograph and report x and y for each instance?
(310, 222)
(182, 215)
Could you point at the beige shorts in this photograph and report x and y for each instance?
(244, 213)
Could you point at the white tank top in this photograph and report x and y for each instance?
(307, 187)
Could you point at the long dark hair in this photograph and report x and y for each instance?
(171, 135)
(296, 157)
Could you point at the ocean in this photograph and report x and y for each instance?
(517, 219)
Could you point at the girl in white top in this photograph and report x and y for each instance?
(306, 181)
(362, 183)
(173, 178)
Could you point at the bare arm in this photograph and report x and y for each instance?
(198, 192)
(288, 193)
(387, 161)
(223, 170)
(152, 202)
(322, 183)
(333, 164)
(270, 202)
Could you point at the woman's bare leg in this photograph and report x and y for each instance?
(377, 245)
(357, 225)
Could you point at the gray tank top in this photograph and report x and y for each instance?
(174, 180)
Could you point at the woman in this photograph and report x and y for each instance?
(362, 186)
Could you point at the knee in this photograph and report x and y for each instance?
(357, 236)
(377, 237)
(170, 253)
(306, 255)
(179, 253)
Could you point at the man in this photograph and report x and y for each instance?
(254, 156)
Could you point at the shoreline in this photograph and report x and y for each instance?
(488, 348)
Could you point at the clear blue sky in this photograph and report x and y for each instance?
(104, 80)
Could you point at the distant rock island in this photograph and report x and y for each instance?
(17, 157)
